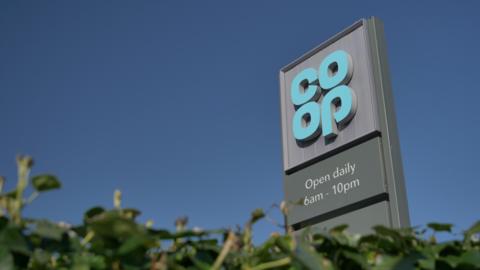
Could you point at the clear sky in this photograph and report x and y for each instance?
(176, 103)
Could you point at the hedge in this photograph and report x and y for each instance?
(113, 239)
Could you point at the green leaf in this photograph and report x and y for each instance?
(40, 259)
(471, 257)
(385, 231)
(385, 262)
(133, 243)
(47, 229)
(359, 259)
(369, 239)
(45, 182)
(377, 242)
(6, 259)
(475, 229)
(466, 260)
(339, 228)
(12, 238)
(256, 215)
(398, 262)
(131, 212)
(308, 257)
(3, 223)
(12, 194)
(199, 264)
(393, 237)
(450, 248)
(88, 261)
(94, 211)
(440, 227)
(427, 263)
(112, 224)
(164, 234)
(265, 247)
(161, 234)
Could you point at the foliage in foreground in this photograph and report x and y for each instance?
(112, 239)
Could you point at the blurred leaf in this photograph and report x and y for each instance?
(166, 235)
(440, 227)
(12, 238)
(92, 212)
(467, 260)
(133, 243)
(359, 259)
(11, 194)
(339, 228)
(199, 264)
(6, 259)
(48, 229)
(256, 215)
(308, 257)
(398, 262)
(284, 244)
(45, 182)
(114, 227)
(475, 229)
(385, 262)
(131, 212)
(86, 261)
(397, 239)
(371, 239)
(427, 263)
(40, 259)
(382, 230)
(265, 247)
(471, 257)
(434, 251)
(3, 223)
(161, 234)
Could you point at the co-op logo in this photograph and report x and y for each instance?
(323, 101)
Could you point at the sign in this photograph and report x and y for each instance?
(341, 154)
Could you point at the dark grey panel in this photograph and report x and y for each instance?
(354, 41)
(341, 180)
(360, 221)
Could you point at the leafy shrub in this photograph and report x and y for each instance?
(112, 239)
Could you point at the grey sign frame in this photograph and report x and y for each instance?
(386, 127)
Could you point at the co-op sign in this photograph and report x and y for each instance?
(327, 99)
(340, 146)
(317, 95)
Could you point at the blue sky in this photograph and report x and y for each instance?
(176, 103)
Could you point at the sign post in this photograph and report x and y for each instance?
(341, 153)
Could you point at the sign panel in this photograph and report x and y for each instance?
(337, 182)
(340, 144)
(359, 81)
(363, 218)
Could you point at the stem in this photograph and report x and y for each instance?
(2, 182)
(117, 199)
(24, 164)
(87, 238)
(247, 238)
(223, 254)
(273, 264)
(32, 197)
(116, 265)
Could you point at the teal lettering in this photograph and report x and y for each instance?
(315, 115)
